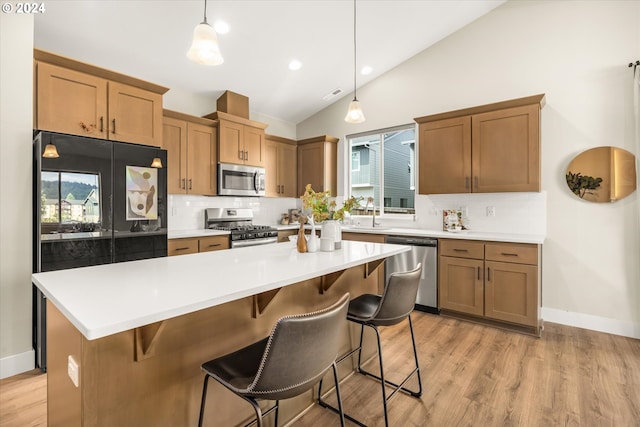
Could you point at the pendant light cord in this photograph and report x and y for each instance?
(355, 51)
(205, 12)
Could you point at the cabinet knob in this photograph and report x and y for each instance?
(190, 184)
(101, 124)
(114, 126)
(184, 184)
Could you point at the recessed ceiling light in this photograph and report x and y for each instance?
(295, 65)
(221, 27)
(366, 70)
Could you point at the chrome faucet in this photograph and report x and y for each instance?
(373, 207)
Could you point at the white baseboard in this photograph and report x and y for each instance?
(594, 323)
(17, 364)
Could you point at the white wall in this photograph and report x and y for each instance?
(577, 53)
(16, 111)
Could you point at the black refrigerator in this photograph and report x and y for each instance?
(95, 202)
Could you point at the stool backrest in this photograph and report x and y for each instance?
(300, 349)
(399, 297)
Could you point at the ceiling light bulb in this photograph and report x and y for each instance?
(354, 114)
(295, 65)
(366, 70)
(204, 48)
(221, 27)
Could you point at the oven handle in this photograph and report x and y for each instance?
(253, 242)
(256, 182)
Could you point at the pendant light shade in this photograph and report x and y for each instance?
(50, 152)
(204, 47)
(354, 114)
(156, 163)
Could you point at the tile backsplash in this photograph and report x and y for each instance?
(187, 212)
(520, 213)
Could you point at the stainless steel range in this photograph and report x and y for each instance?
(239, 222)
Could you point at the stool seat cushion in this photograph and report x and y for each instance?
(237, 370)
(363, 307)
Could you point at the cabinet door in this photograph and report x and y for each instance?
(254, 146)
(70, 102)
(201, 160)
(174, 140)
(506, 150)
(135, 115)
(311, 167)
(271, 178)
(214, 243)
(230, 145)
(511, 292)
(287, 170)
(444, 156)
(460, 285)
(182, 246)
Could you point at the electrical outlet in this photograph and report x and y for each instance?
(174, 211)
(72, 371)
(491, 211)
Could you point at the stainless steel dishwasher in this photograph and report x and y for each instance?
(424, 250)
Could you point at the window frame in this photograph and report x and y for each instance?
(380, 203)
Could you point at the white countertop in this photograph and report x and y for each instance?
(465, 234)
(108, 299)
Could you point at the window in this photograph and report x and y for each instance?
(69, 198)
(383, 167)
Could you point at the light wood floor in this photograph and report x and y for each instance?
(472, 375)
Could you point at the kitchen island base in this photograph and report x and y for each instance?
(150, 376)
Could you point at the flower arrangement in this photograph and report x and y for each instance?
(322, 208)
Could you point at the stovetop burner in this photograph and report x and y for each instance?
(239, 223)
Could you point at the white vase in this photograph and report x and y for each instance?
(331, 229)
(312, 243)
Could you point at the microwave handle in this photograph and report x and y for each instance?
(256, 181)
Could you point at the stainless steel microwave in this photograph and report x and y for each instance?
(240, 180)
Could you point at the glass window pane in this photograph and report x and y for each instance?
(383, 167)
(399, 178)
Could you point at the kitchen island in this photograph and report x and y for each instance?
(133, 335)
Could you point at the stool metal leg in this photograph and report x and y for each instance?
(204, 399)
(340, 408)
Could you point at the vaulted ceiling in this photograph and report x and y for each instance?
(149, 39)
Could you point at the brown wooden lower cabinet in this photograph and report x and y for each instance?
(491, 281)
(193, 245)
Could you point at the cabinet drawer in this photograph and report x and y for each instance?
(461, 248)
(214, 243)
(520, 253)
(182, 247)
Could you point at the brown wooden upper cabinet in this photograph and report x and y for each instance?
(281, 167)
(191, 154)
(486, 149)
(317, 164)
(79, 99)
(240, 141)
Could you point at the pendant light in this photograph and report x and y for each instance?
(354, 114)
(50, 151)
(204, 47)
(156, 163)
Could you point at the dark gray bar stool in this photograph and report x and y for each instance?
(392, 307)
(290, 361)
